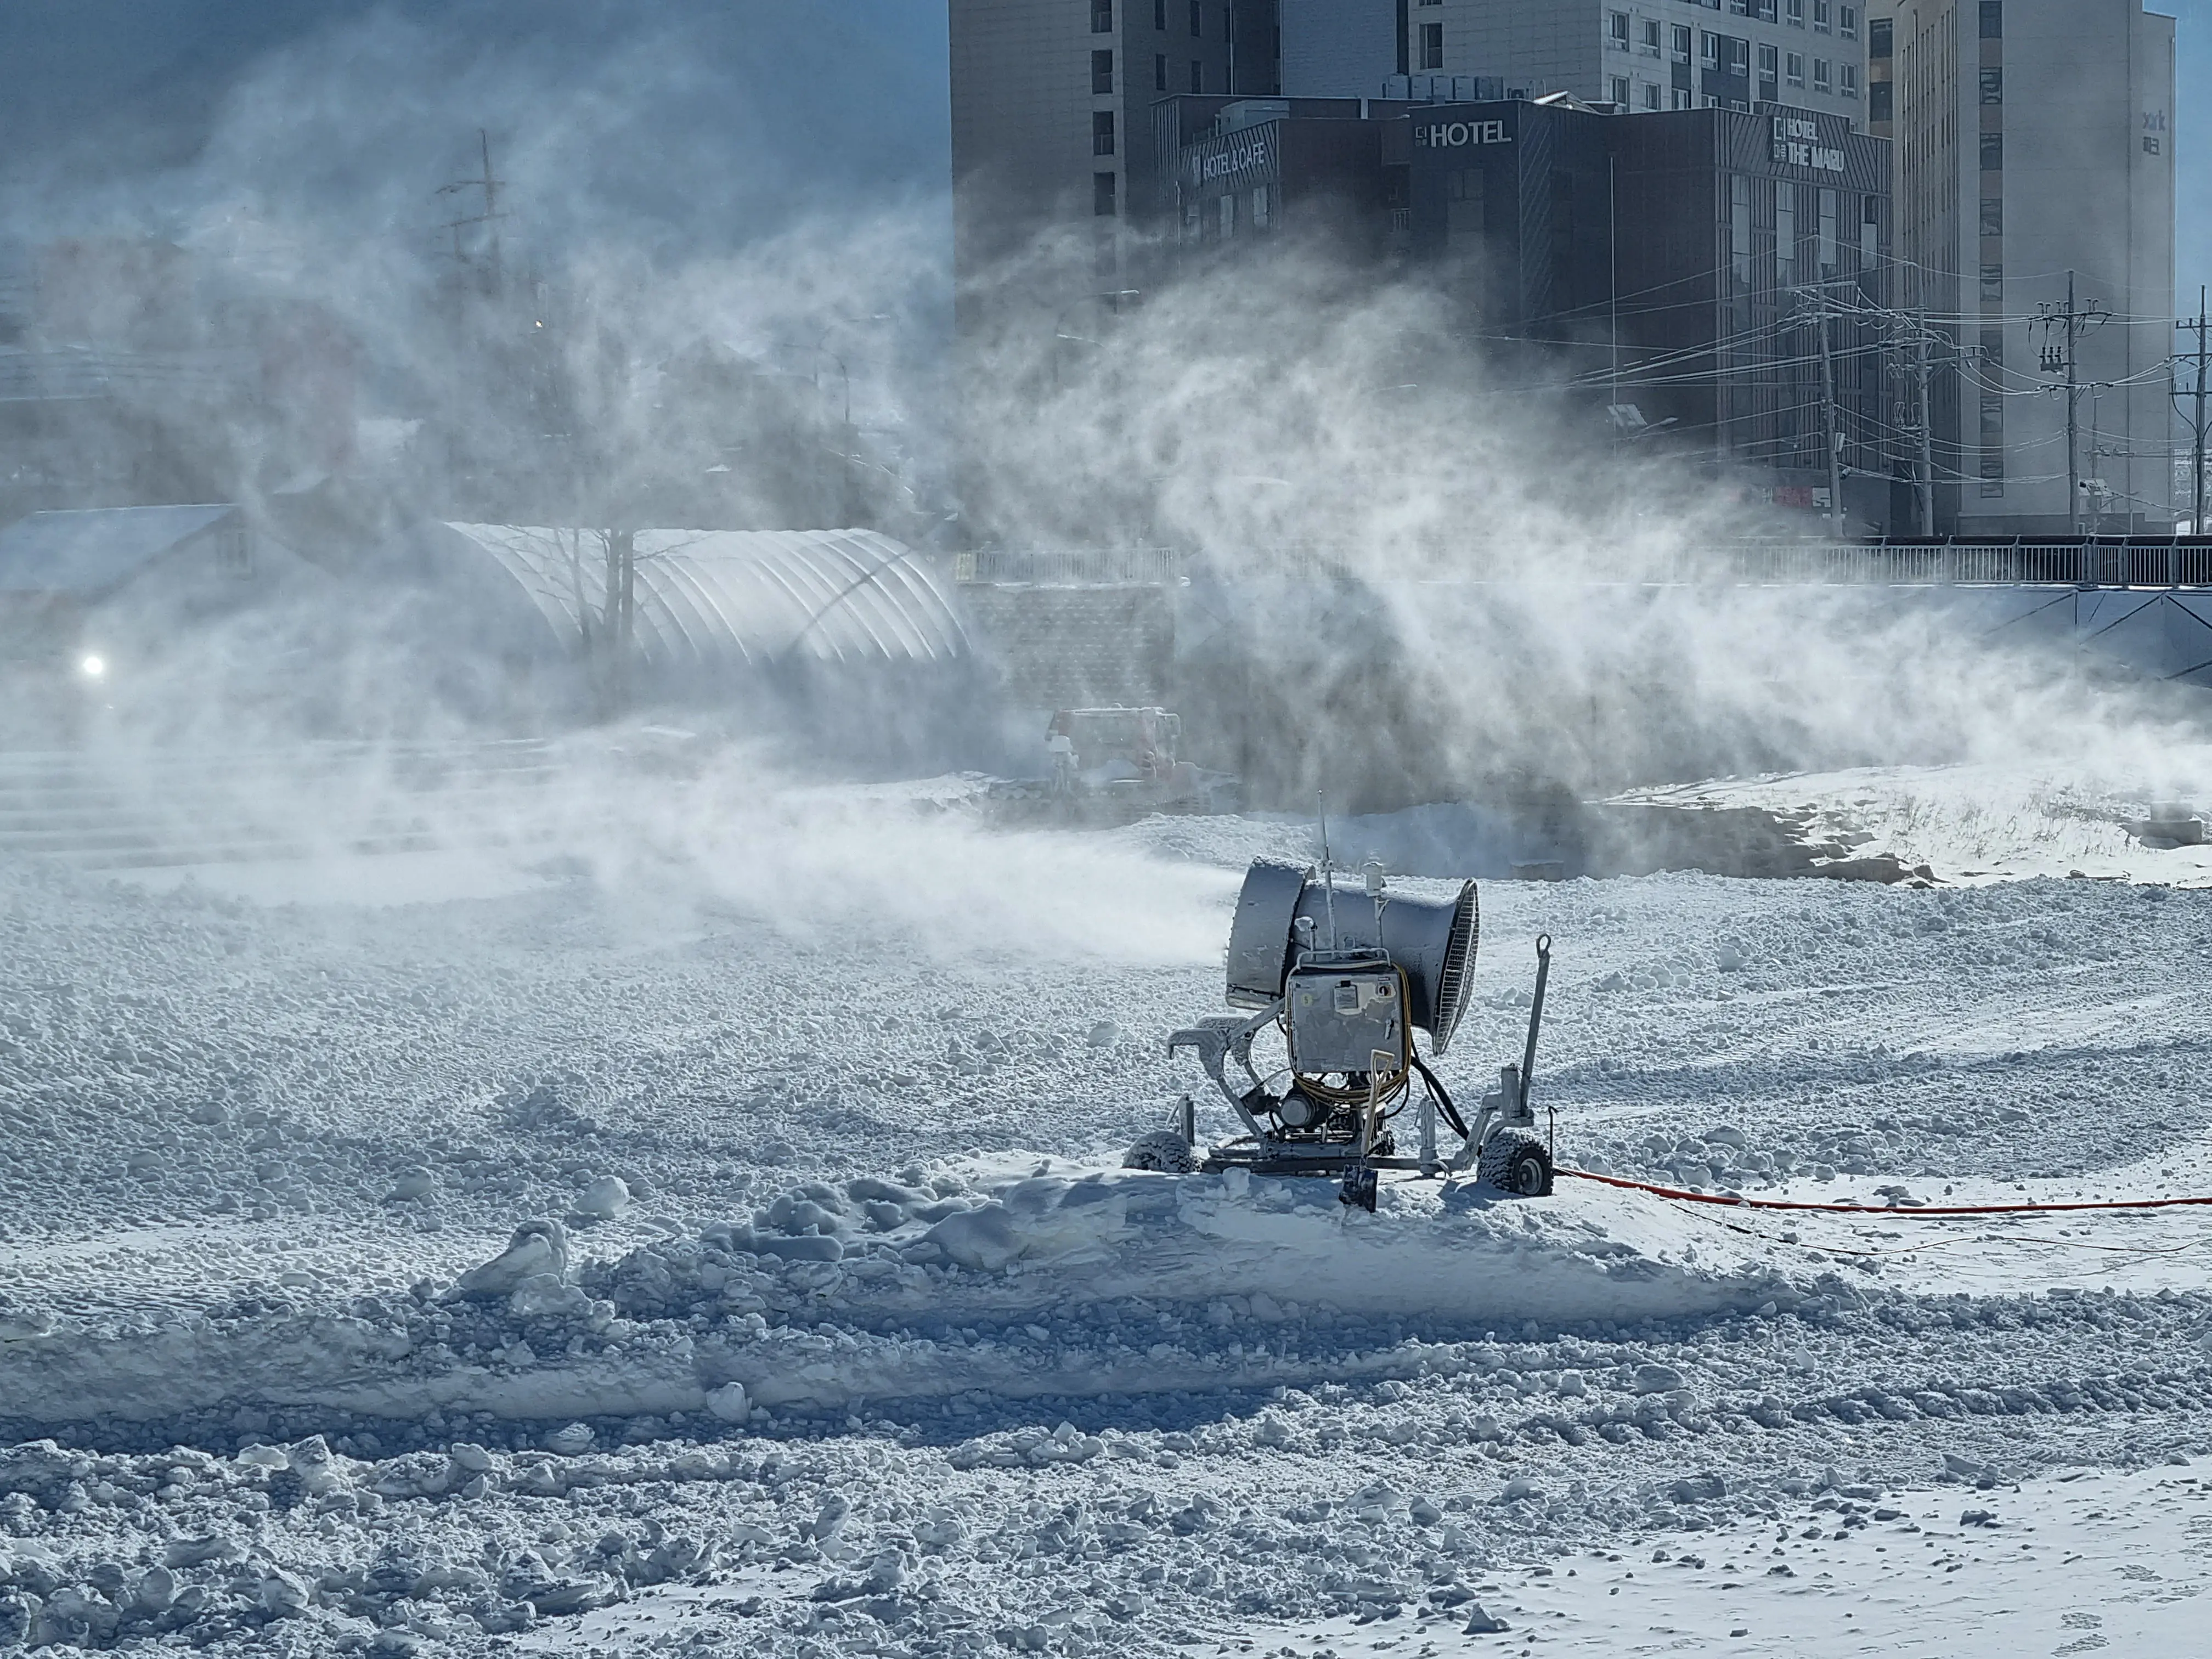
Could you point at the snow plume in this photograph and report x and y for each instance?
(1423, 569)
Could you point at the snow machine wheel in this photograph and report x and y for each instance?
(1518, 1164)
(1163, 1151)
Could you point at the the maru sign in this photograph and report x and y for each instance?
(1797, 144)
(1451, 135)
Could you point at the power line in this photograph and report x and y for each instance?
(2062, 355)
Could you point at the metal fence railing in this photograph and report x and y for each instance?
(2173, 561)
(1077, 567)
(2102, 562)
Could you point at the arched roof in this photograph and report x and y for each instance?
(755, 596)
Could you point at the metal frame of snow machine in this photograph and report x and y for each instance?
(1348, 1012)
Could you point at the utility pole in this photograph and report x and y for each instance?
(2063, 355)
(1924, 419)
(2197, 426)
(1835, 431)
(488, 218)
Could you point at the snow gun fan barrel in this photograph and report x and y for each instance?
(1433, 941)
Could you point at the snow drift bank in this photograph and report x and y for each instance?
(1106, 1282)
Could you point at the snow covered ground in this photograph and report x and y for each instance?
(1989, 821)
(702, 1232)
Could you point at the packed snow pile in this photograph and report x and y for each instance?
(1091, 1283)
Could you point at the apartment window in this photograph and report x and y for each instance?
(1619, 90)
(1616, 30)
(1993, 282)
(1197, 21)
(1881, 37)
(1823, 76)
(1785, 233)
(1159, 71)
(1992, 20)
(1432, 45)
(1848, 79)
(1879, 105)
(1992, 84)
(1992, 216)
(1709, 48)
(1651, 94)
(1682, 99)
(1681, 43)
(1847, 22)
(1101, 132)
(1766, 11)
(1102, 17)
(1102, 194)
(1102, 71)
(1822, 19)
(1263, 208)
(1993, 152)
(1160, 15)
(1741, 8)
(1794, 69)
(1769, 59)
(1793, 13)
(1197, 76)
(1650, 42)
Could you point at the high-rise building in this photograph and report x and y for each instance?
(2035, 212)
(1051, 129)
(1719, 279)
(1340, 48)
(1645, 55)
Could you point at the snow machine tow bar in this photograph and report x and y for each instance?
(1348, 1010)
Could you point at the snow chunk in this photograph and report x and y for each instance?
(607, 1196)
(538, 1247)
(984, 1239)
(544, 1296)
(729, 1403)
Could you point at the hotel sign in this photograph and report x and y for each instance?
(1250, 152)
(1454, 135)
(1797, 144)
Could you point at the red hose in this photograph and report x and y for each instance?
(1885, 1211)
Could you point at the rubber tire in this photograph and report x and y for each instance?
(1518, 1164)
(1163, 1150)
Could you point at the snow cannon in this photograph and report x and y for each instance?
(1345, 977)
